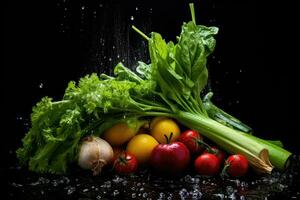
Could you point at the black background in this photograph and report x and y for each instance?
(53, 42)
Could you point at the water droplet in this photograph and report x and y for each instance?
(41, 85)
(241, 70)
(131, 18)
(110, 59)
(183, 193)
(136, 8)
(85, 190)
(133, 195)
(100, 5)
(16, 185)
(116, 192)
(118, 56)
(20, 118)
(117, 179)
(70, 189)
(82, 7)
(145, 195)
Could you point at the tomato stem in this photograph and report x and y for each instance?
(204, 144)
(224, 171)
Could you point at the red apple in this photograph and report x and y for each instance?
(170, 158)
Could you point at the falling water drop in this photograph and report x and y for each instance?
(131, 18)
(82, 7)
(41, 85)
(136, 8)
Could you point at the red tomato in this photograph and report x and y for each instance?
(193, 141)
(236, 165)
(170, 158)
(220, 154)
(125, 163)
(207, 164)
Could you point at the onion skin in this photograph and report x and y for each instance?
(94, 154)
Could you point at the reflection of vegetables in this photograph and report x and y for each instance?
(141, 146)
(236, 166)
(161, 126)
(94, 154)
(168, 87)
(207, 164)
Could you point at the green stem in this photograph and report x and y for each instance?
(192, 9)
(140, 32)
(224, 171)
(204, 144)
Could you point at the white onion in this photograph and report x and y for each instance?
(94, 154)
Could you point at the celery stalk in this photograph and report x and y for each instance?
(256, 150)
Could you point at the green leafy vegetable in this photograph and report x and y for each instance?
(170, 86)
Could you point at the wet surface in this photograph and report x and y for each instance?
(146, 184)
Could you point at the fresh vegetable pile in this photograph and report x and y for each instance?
(119, 109)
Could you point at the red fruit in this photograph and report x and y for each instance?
(193, 141)
(125, 163)
(207, 164)
(220, 154)
(236, 165)
(170, 158)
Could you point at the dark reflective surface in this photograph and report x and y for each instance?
(145, 184)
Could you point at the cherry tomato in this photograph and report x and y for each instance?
(207, 164)
(126, 163)
(236, 165)
(220, 154)
(192, 140)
